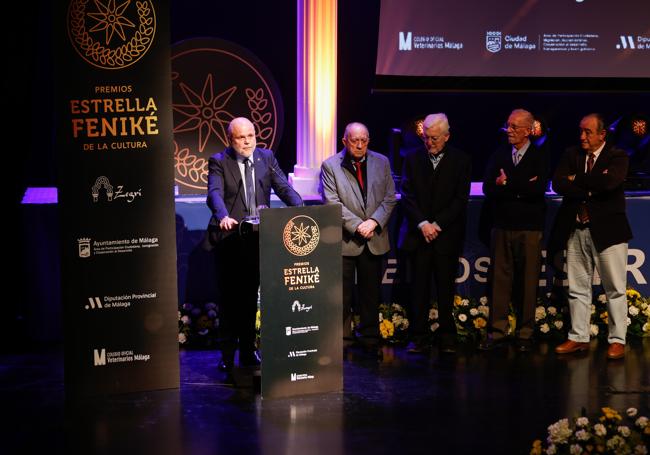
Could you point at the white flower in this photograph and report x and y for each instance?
(593, 330)
(615, 442)
(186, 320)
(433, 313)
(182, 339)
(544, 328)
(647, 311)
(631, 412)
(179, 315)
(559, 432)
(593, 308)
(484, 310)
(540, 313)
(582, 435)
(600, 429)
(397, 307)
(629, 321)
(558, 324)
(405, 323)
(575, 449)
(381, 316)
(548, 295)
(473, 311)
(646, 327)
(582, 421)
(641, 422)
(602, 298)
(551, 450)
(483, 300)
(552, 310)
(633, 310)
(462, 317)
(625, 431)
(641, 450)
(397, 320)
(434, 326)
(464, 302)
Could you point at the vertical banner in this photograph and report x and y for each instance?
(301, 300)
(118, 241)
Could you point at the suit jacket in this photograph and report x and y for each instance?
(339, 186)
(601, 190)
(439, 196)
(520, 203)
(226, 196)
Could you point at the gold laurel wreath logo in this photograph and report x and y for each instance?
(190, 167)
(301, 235)
(257, 102)
(93, 52)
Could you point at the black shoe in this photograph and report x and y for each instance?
(523, 345)
(250, 359)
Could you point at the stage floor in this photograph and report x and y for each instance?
(472, 402)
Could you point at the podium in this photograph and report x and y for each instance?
(301, 293)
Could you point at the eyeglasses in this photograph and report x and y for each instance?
(426, 138)
(510, 126)
(358, 140)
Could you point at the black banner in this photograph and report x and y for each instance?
(118, 243)
(301, 313)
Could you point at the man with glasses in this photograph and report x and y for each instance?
(360, 180)
(515, 181)
(239, 181)
(594, 227)
(435, 189)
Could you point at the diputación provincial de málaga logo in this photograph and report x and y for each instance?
(301, 235)
(111, 34)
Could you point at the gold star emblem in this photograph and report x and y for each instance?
(110, 17)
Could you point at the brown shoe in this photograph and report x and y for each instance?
(570, 346)
(616, 351)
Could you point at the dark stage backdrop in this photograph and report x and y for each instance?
(118, 246)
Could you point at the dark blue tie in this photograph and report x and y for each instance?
(250, 186)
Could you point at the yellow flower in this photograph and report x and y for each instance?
(386, 328)
(537, 447)
(632, 293)
(457, 300)
(611, 414)
(479, 323)
(258, 320)
(604, 316)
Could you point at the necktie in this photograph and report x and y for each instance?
(583, 213)
(435, 160)
(590, 163)
(515, 157)
(250, 186)
(357, 167)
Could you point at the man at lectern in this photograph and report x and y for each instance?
(239, 181)
(361, 181)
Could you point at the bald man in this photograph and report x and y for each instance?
(361, 181)
(239, 181)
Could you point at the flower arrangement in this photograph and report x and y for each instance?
(393, 323)
(608, 434)
(471, 317)
(198, 324)
(638, 311)
(549, 317)
(638, 315)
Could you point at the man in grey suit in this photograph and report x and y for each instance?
(360, 180)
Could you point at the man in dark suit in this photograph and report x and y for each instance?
(239, 181)
(360, 180)
(435, 188)
(593, 226)
(515, 182)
